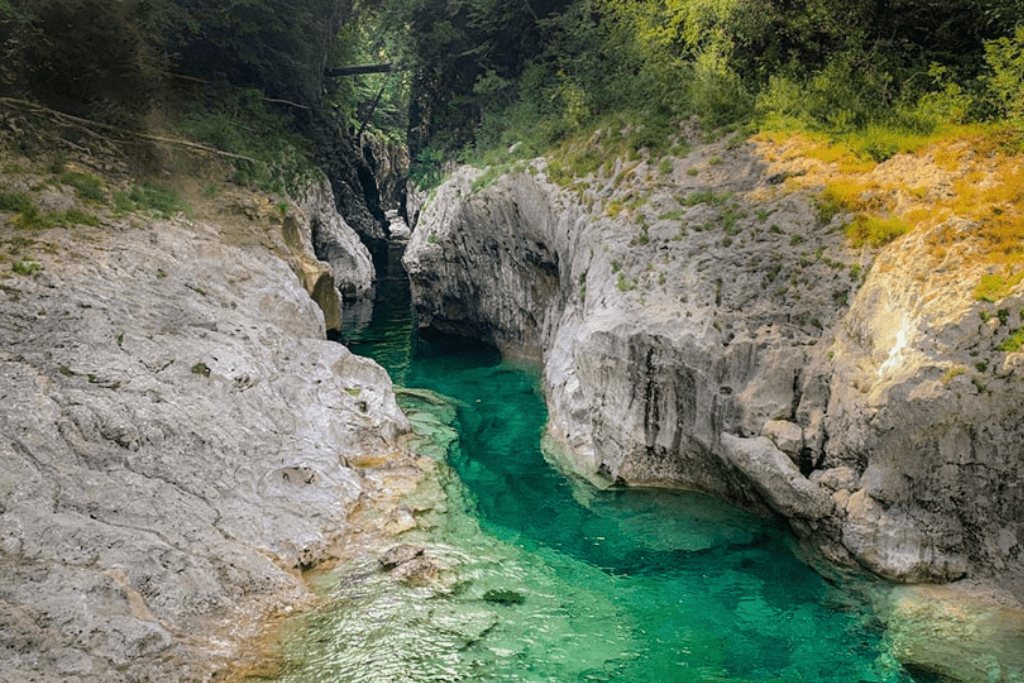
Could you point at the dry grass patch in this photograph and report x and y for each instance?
(965, 172)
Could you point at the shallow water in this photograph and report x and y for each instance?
(616, 585)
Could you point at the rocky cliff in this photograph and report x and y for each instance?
(177, 438)
(703, 326)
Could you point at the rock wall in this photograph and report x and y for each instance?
(701, 329)
(177, 439)
(333, 241)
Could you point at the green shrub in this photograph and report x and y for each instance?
(278, 160)
(163, 202)
(75, 217)
(705, 197)
(994, 287)
(31, 219)
(87, 185)
(14, 202)
(1013, 343)
(716, 92)
(25, 267)
(1006, 58)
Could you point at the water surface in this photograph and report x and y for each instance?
(615, 585)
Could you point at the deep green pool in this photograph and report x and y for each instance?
(616, 585)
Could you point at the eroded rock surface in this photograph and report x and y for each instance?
(334, 242)
(701, 328)
(176, 443)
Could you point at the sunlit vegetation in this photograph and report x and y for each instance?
(155, 199)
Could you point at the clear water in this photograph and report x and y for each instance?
(617, 585)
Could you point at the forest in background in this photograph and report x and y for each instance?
(479, 77)
(527, 74)
(244, 76)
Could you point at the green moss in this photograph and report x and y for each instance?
(951, 373)
(86, 185)
(875, 232)
(504, 597)
(1014, 342)
(994, 287)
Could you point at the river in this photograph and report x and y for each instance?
(554, 580)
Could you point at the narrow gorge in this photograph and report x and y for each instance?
(409, 341)
(702, 330)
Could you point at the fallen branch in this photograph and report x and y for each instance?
(81, 123)
(194, 145)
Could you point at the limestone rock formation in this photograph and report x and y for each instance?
(338, 244)
(176, 439)
(683, 313)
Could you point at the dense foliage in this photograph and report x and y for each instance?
(78, 53)
(494, 73)
(247, 76)
(479, 75)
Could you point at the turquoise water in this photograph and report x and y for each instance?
(615, 585)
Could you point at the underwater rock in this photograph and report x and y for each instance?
(504, 597)
(400, 554)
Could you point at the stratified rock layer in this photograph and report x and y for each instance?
(175, 442)
(700, 328)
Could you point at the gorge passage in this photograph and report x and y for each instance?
(617, 584)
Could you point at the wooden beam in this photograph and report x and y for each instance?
(360, 69)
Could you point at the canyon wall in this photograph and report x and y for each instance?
(178, 440)
(701, 327)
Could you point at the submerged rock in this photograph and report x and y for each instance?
(951, 633)
(504, 597)
(399, 555)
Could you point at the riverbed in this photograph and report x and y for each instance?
(546, 578)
